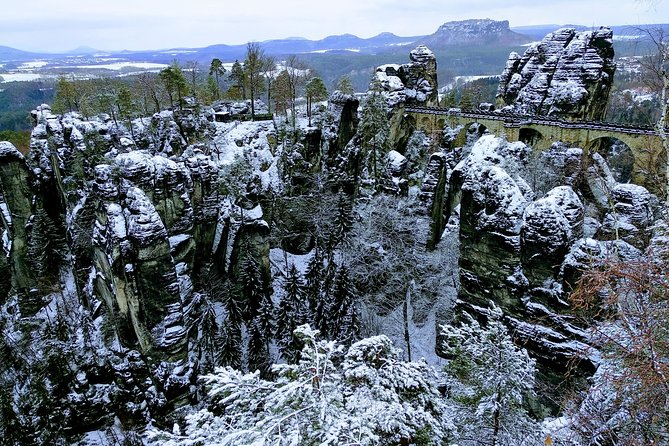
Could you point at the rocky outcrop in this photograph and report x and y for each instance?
(491, 214)
(475, 32)
(411, 83)
(136, 274)
(550, 226)
(526, 254)
(568, 75)
(344, 108)
(631, 217)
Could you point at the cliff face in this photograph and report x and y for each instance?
(568, 74)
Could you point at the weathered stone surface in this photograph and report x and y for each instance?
(491, 215)
(587, 253)
(631, 216)
(164, 182)
(137, 275)
(16, 198)
(545, 237)
(599, 182)
(344, 108)
(412, 83)
(568, 74)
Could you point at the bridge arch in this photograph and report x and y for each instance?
(531, 137)
(425, 124)
(643, 141)
(618, 155)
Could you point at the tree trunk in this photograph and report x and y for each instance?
(662, 129)
(496, 419)
(253, 94)
(405, 314)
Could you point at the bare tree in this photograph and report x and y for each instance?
(656, 65)
(297, 72)
(629, 400)
(254, 65)
(269, 70)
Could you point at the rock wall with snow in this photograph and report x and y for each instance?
(568, 74)
(139, 217)
(526, 235)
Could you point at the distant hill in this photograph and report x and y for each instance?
(7, 53)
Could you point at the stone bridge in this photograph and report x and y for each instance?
(540, 132)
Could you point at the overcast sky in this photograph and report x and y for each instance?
(59, 25)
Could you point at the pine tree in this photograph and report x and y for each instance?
(315, 91)
(206, 342)
(466, 100)
(265, 319)
(345, 325)
(233, 305)
(374, 129)
(229, 345)
(292, 313)
(237, 77)
(258, 351)
(216, 69)
(313, 285)
(175, 83)
(345, 85)
(250, 286)
(343, 222)
(492, 377)
(450, 99)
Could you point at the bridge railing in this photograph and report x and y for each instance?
(517, 119)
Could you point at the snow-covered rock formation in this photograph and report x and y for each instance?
(525, 253)
(568, 74)
(411, 83)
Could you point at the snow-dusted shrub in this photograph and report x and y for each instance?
(369, 398)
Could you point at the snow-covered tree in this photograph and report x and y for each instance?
(491, 379)
(372, 398)
(392, 269)
(313, 287)
(250, 286)
(258, 348)
(343, 222)
(229, 344)
(345, 322)
(291, 314)
(207, 335)
(373, 130)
